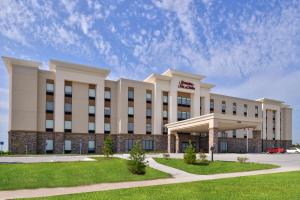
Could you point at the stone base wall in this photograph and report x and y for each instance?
(239, 145)
(22, 142)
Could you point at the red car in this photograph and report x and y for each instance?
(276, 150)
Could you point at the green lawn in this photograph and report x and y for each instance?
(38, 175)
(215, 167)
(263, 187)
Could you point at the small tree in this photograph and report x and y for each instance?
(189, 154)
(107, 147)
(136, 163)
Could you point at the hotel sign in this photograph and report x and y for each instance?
(186, 85)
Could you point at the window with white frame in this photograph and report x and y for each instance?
(68, 89)
(245, 110)
(107, 111)
(49, 145)
(49, 106)
(91, 145)
(130, 94)
(212, 105)
(148, 112)
(92, 93)
(148, 128)
(68, 125)
(234, 108)
(50, 87)
(130, 127)
(256, 111)
(91, 109)
(91, 126)
(49, 124)
(234, 133)
(148, 96)
(107, 94)
(165, 99)
(223, 107)
(68, 107)
(130, 111)
(165, 114)
(68, 145)
(107, 127)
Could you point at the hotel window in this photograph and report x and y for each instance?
(274, 133)
(50, 88)
(91, 110)
(245, 135)
(234, 108)
(148, 113)
(256, 111)
(130, 95)
(183, 101)
(273, 114)
(165, 99)
(107, 111)
(68, 90)
(130, 111)
(223, 107)
(68, 108)
(49, 106)
(92, 93)
(130, 127)
(49, 125)
(165, 114)
(91, 146)
(128, 145)
(234, 133)
(107, 95)
(68, 126)
(188, 101)
(183, 115)
(148, 97)
(68, 146)
(164, 130)
(49, 146)
(148, 145)
(245, 110)
(91, 127)
(212, 105)
(148, 128)
(224, 134)
(107, 128)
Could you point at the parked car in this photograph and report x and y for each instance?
(293, 150)
(276, 150)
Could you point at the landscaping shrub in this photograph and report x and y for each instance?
(242, 159)
(189, 154)
(136, 163)
(107, 147)
(203, 157)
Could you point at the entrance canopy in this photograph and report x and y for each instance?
(222, 122)
(211, 123)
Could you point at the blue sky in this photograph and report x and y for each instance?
(249, 49)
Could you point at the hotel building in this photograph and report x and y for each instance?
(71, 108)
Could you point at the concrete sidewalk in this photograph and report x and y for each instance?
(178, 177)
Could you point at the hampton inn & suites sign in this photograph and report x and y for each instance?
(186, 85)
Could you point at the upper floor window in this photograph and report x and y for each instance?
(107, 95)
(183, 115)
(256, 111)
(49, 87)
(91, 110)
(107, 111)
(148, 97)
(91, 127)
(68, 90)
(273, 114)
(148, 112)
(49, 124)
(183, 101)
(68, 126)
(224, 134)
(130, 111)
(212, 105)
(92, 93)
(130, 127)
(245, 110)
(130, 95)
(148, 128)
(223, 107)
(165, 99)
(234, 133)
(49, 106)
(107, 127)
(234, 108)
(68, 108)
(165, 114)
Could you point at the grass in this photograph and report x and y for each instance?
(215, 167)
(262, 187)
(38, 175)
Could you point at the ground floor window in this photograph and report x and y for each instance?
(68, 146)
(49, 146)
(128, 145)
(91, 146)
(184, 145)
(148, 145)
(223, 146)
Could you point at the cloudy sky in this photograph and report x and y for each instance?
(249, 49)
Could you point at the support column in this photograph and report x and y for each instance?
(100, 106)
(59, 100)
(213, 139)
(177, 143)
(169, 141)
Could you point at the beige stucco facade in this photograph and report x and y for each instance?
(28, 97)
